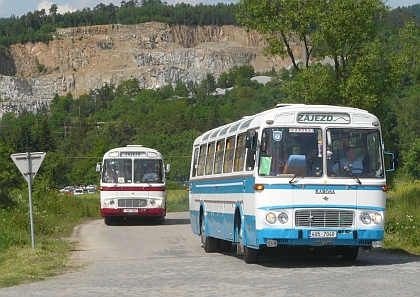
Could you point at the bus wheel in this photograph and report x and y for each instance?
(350, 253)
(209, 243)
(251, 256)
(224, 245)
(108, 221)
(239, 245)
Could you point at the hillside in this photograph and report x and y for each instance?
(85, 58)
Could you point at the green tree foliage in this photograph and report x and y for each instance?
(338, 29)
(10, 177)
(41, 24)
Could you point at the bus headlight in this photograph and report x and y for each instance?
(283, 218)
(368, 218)
(377, 218)
(270, 218)
(365, 217)
(156, 202)
(109, 202)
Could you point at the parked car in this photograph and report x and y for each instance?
(91, 187)
(78, 192)
(91, 191)
(66, 189)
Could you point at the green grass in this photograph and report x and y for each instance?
(402, 222)
(177, 200)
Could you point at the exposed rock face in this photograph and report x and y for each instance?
(85, 58)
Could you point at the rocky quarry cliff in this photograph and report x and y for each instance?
(85, 58)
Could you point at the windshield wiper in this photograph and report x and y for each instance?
(349, 172)
(298, 174)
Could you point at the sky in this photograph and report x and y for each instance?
(21, 7)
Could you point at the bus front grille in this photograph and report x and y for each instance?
(324, 218)
(132, 202)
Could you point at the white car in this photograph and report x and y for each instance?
(91, 187)
(78, 192)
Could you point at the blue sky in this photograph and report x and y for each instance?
(21, 7)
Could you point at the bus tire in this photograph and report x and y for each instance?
(251, 256)
(350, 253)
(108, 221)
(209, 243)
(239, 245)
(224, 245)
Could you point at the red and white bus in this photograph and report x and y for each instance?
(133, 183)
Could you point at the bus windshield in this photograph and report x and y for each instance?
(127, 171)
(354, 152)
(302, 152)
(294, 151)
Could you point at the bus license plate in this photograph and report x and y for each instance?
(322, 234)
(130, 210)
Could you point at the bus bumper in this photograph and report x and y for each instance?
(300, 237)
(133, 212)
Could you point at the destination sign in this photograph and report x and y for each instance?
(132, 154)
(331, 118)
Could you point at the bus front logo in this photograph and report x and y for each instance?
(322, 192)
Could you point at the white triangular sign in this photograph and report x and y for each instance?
(28, 163)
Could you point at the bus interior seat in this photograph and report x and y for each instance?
(296, 164)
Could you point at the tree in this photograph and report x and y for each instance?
(10, 177)
(343, 30)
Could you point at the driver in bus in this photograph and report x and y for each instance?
(350, 163)
(150, 175)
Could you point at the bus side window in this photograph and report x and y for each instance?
(201, 160)
(220, 147)
(250, 152)
(228, 161)
(210, 158)
(240, 153)
(194, 163)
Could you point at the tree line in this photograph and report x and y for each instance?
(40, 25)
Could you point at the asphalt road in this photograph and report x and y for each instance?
(167, 260)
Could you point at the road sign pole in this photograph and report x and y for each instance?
(29, 170)
(29, 178)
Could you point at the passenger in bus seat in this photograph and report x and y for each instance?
(150, 175)
(110, 175)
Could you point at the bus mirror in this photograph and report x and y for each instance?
(168, 167)
(250, 134)
(98, 167)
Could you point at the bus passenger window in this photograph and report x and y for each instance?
(228, 162)
(219, 156)
(240, 153)
(201, 160)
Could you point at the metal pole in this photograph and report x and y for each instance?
(29, 177)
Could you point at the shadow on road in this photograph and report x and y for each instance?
(290, 258)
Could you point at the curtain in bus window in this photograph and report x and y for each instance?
(240, 153)
(210, 158)
(201, 160)
(220, 148)
(229, 151)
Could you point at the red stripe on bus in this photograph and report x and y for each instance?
(140, 189)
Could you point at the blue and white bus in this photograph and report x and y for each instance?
(296, 176)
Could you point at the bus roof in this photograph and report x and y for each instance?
(256, 120)
(133, 148)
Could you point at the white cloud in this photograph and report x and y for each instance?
(61, 8)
